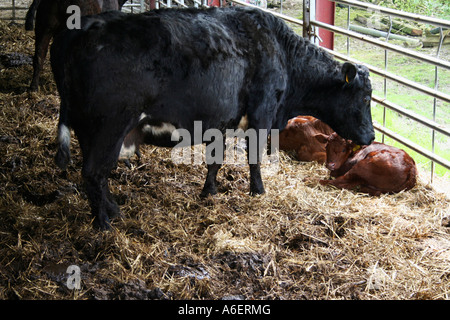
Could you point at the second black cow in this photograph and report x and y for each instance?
(170, 68)
(51, 16)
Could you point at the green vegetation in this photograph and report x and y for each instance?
(432, 8)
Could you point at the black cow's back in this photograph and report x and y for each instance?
(176, 66)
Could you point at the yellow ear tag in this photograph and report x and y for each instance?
(346, 78)
(356, 148)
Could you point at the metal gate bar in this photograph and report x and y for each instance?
(397, 13)
(416, 117)
(424, 89)
(433, 157)
(280, 15)
(382, 44)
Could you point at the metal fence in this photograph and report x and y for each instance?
(182, 3)
(16, 10)
(136, 6)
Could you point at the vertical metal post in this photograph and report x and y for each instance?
(348, 28)
(436, 85)
(433, 133)
(307, 19)
(13, 10)
(385, 80)
(324, 12)
(385, 94)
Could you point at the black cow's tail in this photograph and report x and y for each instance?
(58, 56)
(31, 13)
(62, 157)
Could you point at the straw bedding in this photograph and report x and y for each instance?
(298, 241)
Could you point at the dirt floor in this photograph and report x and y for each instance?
(298, 241)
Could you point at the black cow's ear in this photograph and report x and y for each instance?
(349, 71)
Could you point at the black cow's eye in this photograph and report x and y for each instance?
(366, 100)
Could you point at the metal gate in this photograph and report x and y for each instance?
(136, 6)
(15, 10)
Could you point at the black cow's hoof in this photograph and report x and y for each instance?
(256, 187)
(33, 88)
(257, 191)
(112, 209)
(102, 223)
(208, 191)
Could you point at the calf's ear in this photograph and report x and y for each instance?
(322, 138)
(349, 72)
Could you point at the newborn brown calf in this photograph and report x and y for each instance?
(376, 168)
(299, 136)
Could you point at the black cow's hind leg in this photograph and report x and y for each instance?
(42, 41)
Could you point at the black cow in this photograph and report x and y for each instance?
(172, 67)
(51, 16)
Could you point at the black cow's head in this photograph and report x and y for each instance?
(350, 111)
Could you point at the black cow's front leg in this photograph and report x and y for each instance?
(256, 184)
(255, 147)
(210, 186)
(214, 159)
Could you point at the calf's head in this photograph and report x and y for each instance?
(338, 150)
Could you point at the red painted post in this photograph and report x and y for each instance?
(325, 10)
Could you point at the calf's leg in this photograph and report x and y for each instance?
(360, 175)
(347, 181)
